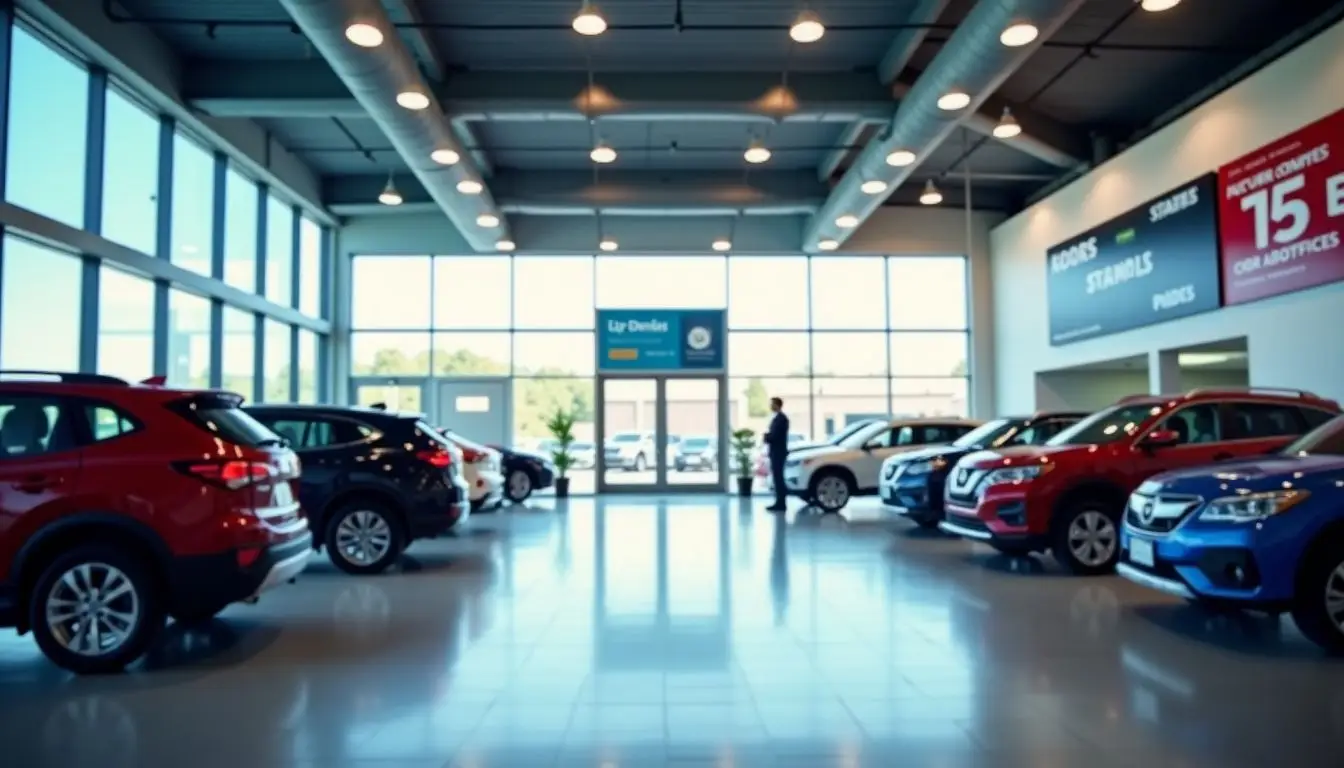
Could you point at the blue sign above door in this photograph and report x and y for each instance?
(660, 340)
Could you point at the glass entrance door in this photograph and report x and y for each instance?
(661, 433)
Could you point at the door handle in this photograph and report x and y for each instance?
(38, 483)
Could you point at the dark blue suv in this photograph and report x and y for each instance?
(1266, 534)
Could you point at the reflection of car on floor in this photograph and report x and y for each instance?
(524, 472)
(365, 513)
(630, 451)
(1266, 533)
(482, 470)
(1068, 495)
(913, 482)
(697, 453)
(829, 476)
(122, 504)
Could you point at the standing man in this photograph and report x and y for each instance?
(777, 445)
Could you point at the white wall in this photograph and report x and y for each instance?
(1292, 339)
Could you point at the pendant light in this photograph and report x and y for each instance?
(364, 35)
(1157, 6)
(931, 195)
(953, 101)
(807, 28)
(847, 221)
(445, 156)
(901, 158)
(1008, 126)
(603, 153)
(389, 195)
(1019, 34)
(413, 100)
(828, 245)
(873, 187)
(470, 187)
(757, 153)
(504, 245)
(487, 220)
(589, 20)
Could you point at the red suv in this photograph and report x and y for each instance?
(1068, 495)
(121, 505)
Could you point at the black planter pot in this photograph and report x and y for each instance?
(744, 486)
(562, 487)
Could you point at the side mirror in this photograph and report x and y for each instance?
(1161, 438)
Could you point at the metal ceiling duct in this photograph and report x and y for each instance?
(375, 76)
(972, 61)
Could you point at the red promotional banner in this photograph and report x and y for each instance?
(1281, 213)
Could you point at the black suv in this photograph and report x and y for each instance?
(373, 480)
(912, 483)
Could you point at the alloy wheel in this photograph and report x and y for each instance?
(363, 537)
(832, 492)
(1092, 538)
(92, 609)
(520, 485)
(1334, 597)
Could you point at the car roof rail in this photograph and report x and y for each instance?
(64, 377)
(1277, 391)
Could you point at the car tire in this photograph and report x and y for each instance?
(1086, 537)
(94, 566)
(1322, 573)
(518, 486)
(640, 464)
(830, 490)
(359, 523)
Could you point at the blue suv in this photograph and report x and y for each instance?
(1266, 534)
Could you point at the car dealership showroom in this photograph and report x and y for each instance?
(671, 383)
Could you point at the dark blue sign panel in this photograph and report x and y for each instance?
(1154, 263)
(635, 340)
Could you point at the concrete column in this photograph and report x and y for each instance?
(1164, 372)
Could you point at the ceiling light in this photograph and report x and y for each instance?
(828, 245)
(487, 220)
(723, 245)
(413, 100)
(608, 244)
(389, 195)
(1019, 34)
(504, 245)
(930, 195)
(807, 28)
(901, 158)
(1156, 6)
(603, 153)
(1008, 126)
(874, 187)
(757, 152)
(364, 35)
(589, 21)
(470, 187)
(848, 221)
(954, 100)
(444, 156)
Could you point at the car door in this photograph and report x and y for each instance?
(1200, 426)
(1257, 429)
(889, 442)
(40, 462)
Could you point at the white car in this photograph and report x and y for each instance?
(482, 469)
(630, 451)
(829, 476)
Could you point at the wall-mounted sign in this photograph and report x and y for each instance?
(1156, 262)
(1282, 211)
(665, 340)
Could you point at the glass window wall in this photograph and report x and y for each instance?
(131, 164)
(39, 329)
(125, 325)
(193, 204)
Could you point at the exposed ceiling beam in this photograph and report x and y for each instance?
(311, 89)
(907, 41)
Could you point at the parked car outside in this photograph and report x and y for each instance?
(365, 513)
(670, 450)
(1068, 496)
(913, 483)
(525, 472)
(584, 454)
(1266, 533)
(123, 504)
(630, 451)
(697, 453)
(831, 475)
(482, 468)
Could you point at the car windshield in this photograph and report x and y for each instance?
(696, 442)
(986, 434)
(852, 430)
(626, 437)
(1325, 440)
(1108, 426)
(860, 437)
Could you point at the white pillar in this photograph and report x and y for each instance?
(1164, 372)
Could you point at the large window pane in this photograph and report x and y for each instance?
(278, 370)
(130, 174)
(927, 292)
(311, 279)
(929, 397)
(39, 329)
(928, 354)
(749, 403)
(279, 251)
(390, 292)
(125, 325)
(193, 204)
(240, 351)
(308, 357)
(471, 354)
(847, 292)
(389, 354)
(767, 292)
(553, 292)
(189, 340)
(767, 354)
(471, 292)
(240, 231)
(48, 115)
(536, 400)
(554, 354)
(662, 282)
(849, 354)
(839, 402)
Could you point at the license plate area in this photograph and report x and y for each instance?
(1141, 552)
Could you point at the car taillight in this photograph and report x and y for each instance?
(233, 475)
(436, 457)
(472, 456)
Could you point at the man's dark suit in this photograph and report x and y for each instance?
(777, 445)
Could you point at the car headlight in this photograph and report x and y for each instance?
(1250, 507)
(1015, 474)
(925, 467)
(793, 462)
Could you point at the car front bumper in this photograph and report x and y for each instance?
(985, 521)
(1226, 563)
(913, 496)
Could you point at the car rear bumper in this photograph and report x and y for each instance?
(439, 512)
(205, 584)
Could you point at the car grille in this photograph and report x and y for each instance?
(961, 485)
(892, 471)
(1160, 513)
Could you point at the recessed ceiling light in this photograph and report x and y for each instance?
(931, 195)
(848, 221)
(1019, 34)
(413, 100)
(470, 187)
(389, 195)
(756, 153)
(722, 245)
(828, 245)
(487, 220)
(445, 156)
(1157, 6)
(589, 20)
(954, 100)
(364, 35)
(608, 245)
(807, 28)
(1008, 126)
(874, 187)
(504, 245)
(901, 158)
(603, 154)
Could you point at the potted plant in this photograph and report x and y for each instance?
(561, 427)
(743, 443)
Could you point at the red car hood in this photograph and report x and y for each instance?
(1022, 454)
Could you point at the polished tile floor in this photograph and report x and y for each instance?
(698, 633)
